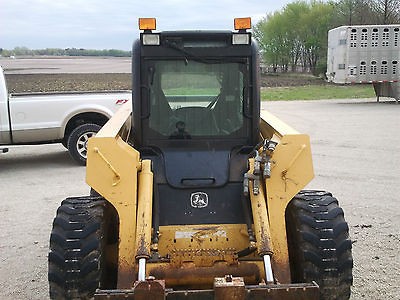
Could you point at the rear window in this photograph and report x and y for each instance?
(190, 98)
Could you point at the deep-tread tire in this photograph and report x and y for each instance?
(77, 141)
(319, 244)
(77, 242)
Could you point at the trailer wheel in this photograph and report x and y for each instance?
(319, 244)
(77, 260)
(77, 141)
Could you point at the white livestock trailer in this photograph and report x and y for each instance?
(366, 54)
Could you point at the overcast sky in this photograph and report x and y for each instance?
(108, 24)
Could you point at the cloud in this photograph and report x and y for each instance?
(113, 24)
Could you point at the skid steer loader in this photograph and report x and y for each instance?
(195, 193)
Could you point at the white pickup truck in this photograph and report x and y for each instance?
(70, 119)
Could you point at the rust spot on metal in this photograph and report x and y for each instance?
(301, 291)
(143, 248)
(149, 289)
(229, 287)
(126, 277)
(281, 270)
(142, 290)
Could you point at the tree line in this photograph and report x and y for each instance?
(24, 51)
(297, 36)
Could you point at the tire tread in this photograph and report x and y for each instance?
(76, 241)
(319, 244)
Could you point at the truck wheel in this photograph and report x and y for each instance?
(77, 141)
(77, 264)
(319, 244)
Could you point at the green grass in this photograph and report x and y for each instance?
(315, 92)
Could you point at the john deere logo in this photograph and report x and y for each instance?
(199, 200)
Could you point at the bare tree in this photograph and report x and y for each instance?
(388, 11)
(362, 12)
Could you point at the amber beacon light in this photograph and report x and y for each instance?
(242, 23)
(147, 23)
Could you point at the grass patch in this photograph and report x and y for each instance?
(315, 92)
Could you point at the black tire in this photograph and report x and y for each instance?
(77, 141)
(77, 262)
(319, 244)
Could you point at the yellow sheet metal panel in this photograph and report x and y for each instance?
(121, 120)
(291, 168)
(291, 161)
(203, 236)
(271, 125)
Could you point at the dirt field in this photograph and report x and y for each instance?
(25, 83)
(356, 152)
(88, 74)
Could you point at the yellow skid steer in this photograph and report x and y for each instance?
(196, 193)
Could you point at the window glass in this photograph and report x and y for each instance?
(190, 98)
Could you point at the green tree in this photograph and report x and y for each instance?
(315, 24)
(293, 13)
(297, 33)
(271, 35)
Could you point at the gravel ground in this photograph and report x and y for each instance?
(356, 153)
(356, 149)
